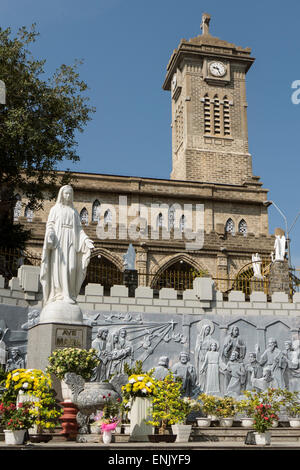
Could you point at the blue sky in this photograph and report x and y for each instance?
(126, 45)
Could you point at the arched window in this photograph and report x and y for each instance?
(229, 227)
(207, 116)
(18, 207)
(159, 220)
(107, 217)
(84, 216)
(96, 211)
(217, 121)
(182, 223)
(243, 227)
(226, 116)
(28, 213)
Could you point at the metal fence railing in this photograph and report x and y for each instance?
(107, 274)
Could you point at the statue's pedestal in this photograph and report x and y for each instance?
(43, 338)
(131, 280)
(61, 312)
(257, 284)
(68, 421)
(279, 280)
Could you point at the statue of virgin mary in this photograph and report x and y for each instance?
(65, 257)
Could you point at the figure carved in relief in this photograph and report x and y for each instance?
(203, 343)
(210, 370)
(187, 372)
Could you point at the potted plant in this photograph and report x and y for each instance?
(263, 419)
(125, 410)
(207, 406)
(34, 386)
(291, 404)
(246, 408)
(182, 429)
(272, 397)
(80, 361)
(168, 408)
(108, 418)
(16, 420)
(137, 397)
(225, 410)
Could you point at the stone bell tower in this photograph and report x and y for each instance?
(207, 80)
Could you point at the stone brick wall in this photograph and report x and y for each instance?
(203, 299)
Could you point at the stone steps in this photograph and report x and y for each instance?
(238, 434)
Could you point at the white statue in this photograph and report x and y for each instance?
(65, 257)
(256, 265)
(129, 258)
(279, 245)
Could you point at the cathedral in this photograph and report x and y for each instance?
(211, 181)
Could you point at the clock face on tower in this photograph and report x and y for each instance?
(218, 69)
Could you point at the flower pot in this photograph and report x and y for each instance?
(247, 422)
(275, 423)
(139, 414)
(213, 417)
(226, 422)
(106, 437)
(203, 422)
(262, 439)
(66, 392)
(294, 422)
(154, 438)
(183, 432)
(14, 437)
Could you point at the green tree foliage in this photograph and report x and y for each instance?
(39, 124)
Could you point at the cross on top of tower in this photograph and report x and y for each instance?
(205, 24)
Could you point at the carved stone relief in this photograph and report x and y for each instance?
(215, 355)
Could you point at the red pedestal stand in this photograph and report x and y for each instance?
(68, 421)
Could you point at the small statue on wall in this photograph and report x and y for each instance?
(129, 258)
(279, 244)
(256, 265)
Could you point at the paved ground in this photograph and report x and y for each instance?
(142, 446)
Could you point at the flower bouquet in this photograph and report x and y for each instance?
(108, 418)
(139, 385)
